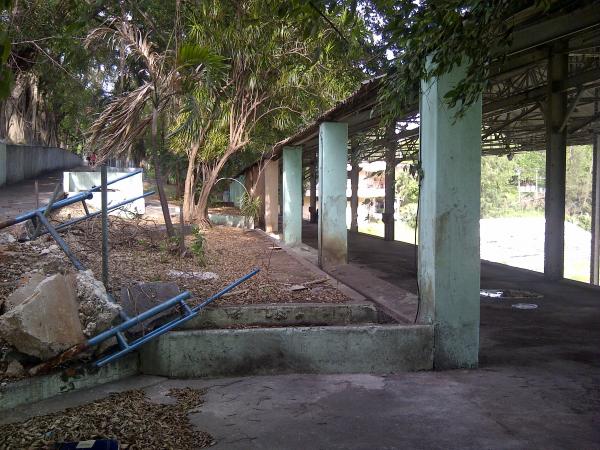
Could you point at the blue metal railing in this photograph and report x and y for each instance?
(82, 196)
(188, 313)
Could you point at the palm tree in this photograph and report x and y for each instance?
(127, 118)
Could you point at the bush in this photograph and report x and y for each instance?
(198, 247)
(250, 206)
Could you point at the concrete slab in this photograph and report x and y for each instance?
(291, 314)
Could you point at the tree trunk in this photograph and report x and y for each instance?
(159, 181)
(189, 186)
(202, 205)
(209, 178)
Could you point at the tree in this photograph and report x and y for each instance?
(272, 69)
(127, 118)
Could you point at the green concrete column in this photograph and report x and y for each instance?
(272, 196)
(292, 195)
(333, 176)
(449, 261)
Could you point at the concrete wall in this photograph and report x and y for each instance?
(74, 182)
(20, 162)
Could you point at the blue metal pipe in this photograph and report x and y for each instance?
(127, 175)
(139, 318)
(128, 348)
(59, 240)
(86, 195)
(64, 225)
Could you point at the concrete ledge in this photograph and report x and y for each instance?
(291, 314)
(40, 388)
(350, 349)
(229, 220)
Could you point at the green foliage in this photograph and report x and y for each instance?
(198, 247)
(431, 37)
(578, 198)
(499, 178)
(250, 206)
(498, 186)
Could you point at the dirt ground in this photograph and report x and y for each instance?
(140, 252)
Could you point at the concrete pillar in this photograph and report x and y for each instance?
(313, 192)
(292, 195)
(354, 176)
(390, 185)
(595, 254)
(556, 164)
(449, 263)
(272, 196)
(333, 176)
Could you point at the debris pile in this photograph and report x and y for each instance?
(128, 417)
(46, 307)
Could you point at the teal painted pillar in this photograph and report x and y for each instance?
(449, 262)
(292, 195)
(333, 176)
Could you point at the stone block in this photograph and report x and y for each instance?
(46, 323)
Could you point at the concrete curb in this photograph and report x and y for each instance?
(289, 314)
(258, 351)
(35, 389)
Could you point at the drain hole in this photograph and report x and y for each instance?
(525, 306)
(508, 293)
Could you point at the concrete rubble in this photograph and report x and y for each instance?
(6, 238)
(47, 315)
(14, 370)
(47, 322)
(96, 310)
(195, 275)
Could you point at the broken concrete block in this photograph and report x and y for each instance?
(195, 275)
(7, 238)
(46, 323)
(96, 310)
(14, 370)
(140, 297)
(297, 287)
(31, 282)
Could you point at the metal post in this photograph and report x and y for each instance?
(47, 211)
(390, 184)
(37, 195)
(60, 241)
(104, 193)
(181, 232)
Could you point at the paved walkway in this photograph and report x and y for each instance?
(20, 197)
